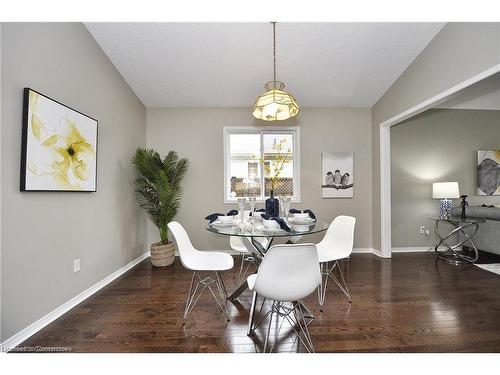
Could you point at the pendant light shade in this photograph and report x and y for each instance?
(275, 104)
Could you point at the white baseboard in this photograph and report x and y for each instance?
(378, 253)
(367, 250)
(29, 331)
(413, 249)
(363, 250)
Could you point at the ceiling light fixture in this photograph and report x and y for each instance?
(275, 104)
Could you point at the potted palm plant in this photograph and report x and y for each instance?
(158, 190)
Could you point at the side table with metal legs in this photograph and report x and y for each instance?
(463, 228)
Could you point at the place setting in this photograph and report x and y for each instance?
(250, 221)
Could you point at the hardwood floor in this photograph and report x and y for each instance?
(410, 303)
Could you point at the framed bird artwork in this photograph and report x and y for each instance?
(337, 175)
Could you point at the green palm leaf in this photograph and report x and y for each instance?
(158, 187)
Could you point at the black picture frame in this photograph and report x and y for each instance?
(24, 144)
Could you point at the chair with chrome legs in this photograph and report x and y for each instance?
(247, 258)
(209, 263)
(287, 274)
(336, 245)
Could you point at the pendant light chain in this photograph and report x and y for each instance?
(274, 49)
(275, 104)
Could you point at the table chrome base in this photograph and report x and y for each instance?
(257, 252)
(239, 291)
(452, 253)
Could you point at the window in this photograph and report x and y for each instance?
(245, 147)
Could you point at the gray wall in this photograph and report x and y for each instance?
(458, 52)
(197, 135)
(42, 233)
(1, 122)
(438, 145)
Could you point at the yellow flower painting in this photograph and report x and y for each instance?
(59, 147)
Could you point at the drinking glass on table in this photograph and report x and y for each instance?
(286, 201)
(241, 205)
(251, 202)
(280, 200)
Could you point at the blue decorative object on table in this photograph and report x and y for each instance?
(212, 217)
(272, 205)
(445, 209)
(311, 214)
(279, 220)
(445, 191)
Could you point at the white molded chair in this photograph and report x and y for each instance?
(336, 245)
(211, 262)
(287, 274)
(246, 256)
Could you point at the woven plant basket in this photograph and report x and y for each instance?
(162, 255)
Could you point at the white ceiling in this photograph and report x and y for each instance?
(227, 64)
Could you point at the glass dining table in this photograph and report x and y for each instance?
(251, 233)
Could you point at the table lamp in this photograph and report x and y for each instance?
(445, 191)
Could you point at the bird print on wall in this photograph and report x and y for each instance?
(337, 181)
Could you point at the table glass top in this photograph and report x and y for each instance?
(258, 230)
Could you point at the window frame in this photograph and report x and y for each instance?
(294, 130)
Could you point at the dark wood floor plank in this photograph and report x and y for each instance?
(410, 303)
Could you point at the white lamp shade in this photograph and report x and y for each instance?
(445, 190)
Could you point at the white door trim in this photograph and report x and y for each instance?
(385, 150)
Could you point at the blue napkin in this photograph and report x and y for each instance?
(212, 217)
(311, 214)
(308, 211)
(279, 220)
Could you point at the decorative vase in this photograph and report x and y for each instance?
(445, 209)
(162, 255)
(272, 205)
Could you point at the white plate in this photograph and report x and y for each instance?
(306, 221)
(221, 224)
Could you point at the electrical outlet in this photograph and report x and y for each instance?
(76, 265)
(422, 229)
(427, 232)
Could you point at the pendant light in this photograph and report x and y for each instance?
(275, 104)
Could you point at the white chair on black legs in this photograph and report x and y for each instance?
(208, 262)
(247, 258)
(287, 274)
(336, 245)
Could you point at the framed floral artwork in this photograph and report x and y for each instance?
(59, 146)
